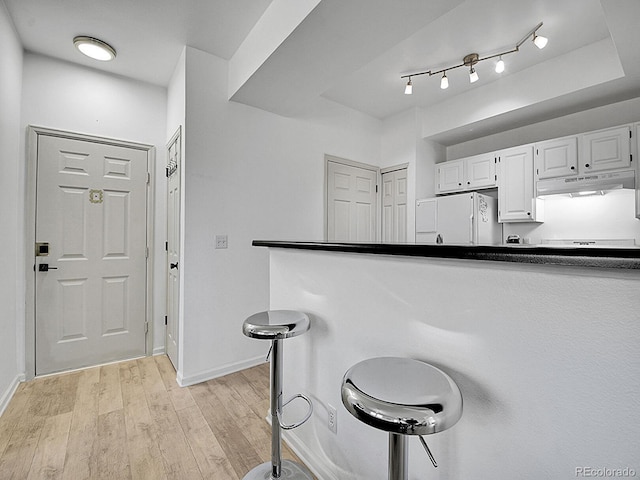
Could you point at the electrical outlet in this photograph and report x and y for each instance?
(221, 241)
(332, 418)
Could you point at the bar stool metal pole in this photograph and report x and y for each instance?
(277, 325)
(398, 457)
(276, 408)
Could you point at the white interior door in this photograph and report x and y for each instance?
(351, 203)
(394, 206)
(173, 247)
(90, 290)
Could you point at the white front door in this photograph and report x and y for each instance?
(173, 247)
(90, 287)
(351, 203)
(394, 206)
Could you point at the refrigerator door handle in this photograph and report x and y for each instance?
(471, 236)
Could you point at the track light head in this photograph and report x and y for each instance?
(444, 82)
(408, 90)
(500, 65)
(473, 75)
(540, 41)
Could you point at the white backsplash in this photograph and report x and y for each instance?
(608, 216)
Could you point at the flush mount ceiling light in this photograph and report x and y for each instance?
(473, 58)
(94, 48)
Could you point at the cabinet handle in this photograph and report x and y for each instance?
(528, 214)
(586, 165)
(460, 184)
(468, 183)
(573, 167)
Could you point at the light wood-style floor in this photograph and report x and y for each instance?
(131, 421)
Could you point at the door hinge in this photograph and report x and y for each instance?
(166, 171)
(630, 134)
(166, 320)
(376, 188)
(166, 246)
(146, 327)
(146, 252)
(148, 178)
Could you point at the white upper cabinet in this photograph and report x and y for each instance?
(450, 176)
(516, 200)
(480, 171)
(471, 173)
(606, 150)
(557, 158)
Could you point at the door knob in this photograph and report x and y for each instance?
(44, 267)
(173, 265)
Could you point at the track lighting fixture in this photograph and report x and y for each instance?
(473, 58)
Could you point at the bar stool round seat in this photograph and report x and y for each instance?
(401, 396)
(276, 326)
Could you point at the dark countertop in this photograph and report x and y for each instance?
(598, 257)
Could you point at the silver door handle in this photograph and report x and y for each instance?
(173, 265)
(44, 267)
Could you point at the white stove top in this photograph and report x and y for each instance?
(591, 242)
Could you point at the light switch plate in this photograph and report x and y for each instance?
(221, 241)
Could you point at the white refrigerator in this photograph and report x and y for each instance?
(462, 219)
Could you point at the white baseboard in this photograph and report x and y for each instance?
(8, 393)
(158, 351)
(185, 381)
(317, 464)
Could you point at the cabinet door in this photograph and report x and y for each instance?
(450, 176)
(557, 158)
(606, 150)
(480, 171)
(516, 201)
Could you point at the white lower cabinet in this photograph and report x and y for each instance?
(516, 196)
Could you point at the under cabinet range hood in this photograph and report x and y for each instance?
(588, 184)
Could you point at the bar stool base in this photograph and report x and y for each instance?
(288, 471)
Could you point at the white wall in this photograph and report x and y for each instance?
(607, 217)
(176, 118)
(69, 97)
(11, 203)
(545, 356)
(402, 143)
(593, 119)
(250, 175)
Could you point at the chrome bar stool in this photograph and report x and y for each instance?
(401, 396)
(276, 325)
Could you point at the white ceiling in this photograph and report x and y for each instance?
(354, 52)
